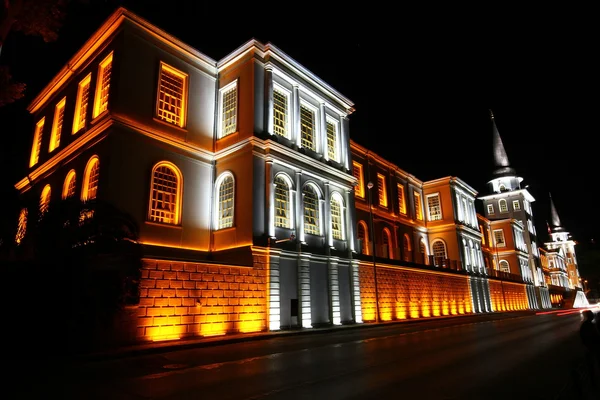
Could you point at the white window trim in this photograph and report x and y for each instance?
(336, 124)
(291, 201)
(429, 211)
(340, 200)
(217, 200)
(490, 209)
(516, 205)
(496, 244)
(500, 202)
(316, 124)
(288, 113)
(222, 90)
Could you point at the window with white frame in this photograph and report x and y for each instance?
(401, 199)
(172, 95)
(228, 105)
(357, 171)
(226, 196)
(459, 208)
(308, 127)
(81, 104)
(336, 218)
(502, 206)
(474, 257)
(311, 210)
(282, 203)
(504, 266)
(434, 207)
(516, 205)
(281, 111)
(37, 142)
(490, 209)
(418, 206)
(165, 197)
(382, 188)
(467, 216)
(57, 125)
(103, 86)
(499, 238)
(332, 140)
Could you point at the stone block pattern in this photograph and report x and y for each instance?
(180, 299)
(508, 296)
(405, 293)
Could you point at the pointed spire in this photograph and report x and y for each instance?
(554, 218)
(501, 164)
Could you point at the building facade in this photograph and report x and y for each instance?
(256, 210)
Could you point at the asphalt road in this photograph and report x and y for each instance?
(523, 357)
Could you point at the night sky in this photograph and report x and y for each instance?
(422, 83)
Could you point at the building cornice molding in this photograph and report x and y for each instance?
(511, 193)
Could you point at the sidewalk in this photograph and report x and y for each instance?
(196, 342)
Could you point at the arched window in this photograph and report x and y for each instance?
(45, 200)
(502, 206)
(363, 237)
(423, 251)
(504, 266)
(337, 220)
(283, 218)
(439, 252)
(165, 194)
(89, 188)
(387, 242)
(69, 185)
(502, 188)
(225, 187)
(22, 226)
(311, 210)
(407, 247)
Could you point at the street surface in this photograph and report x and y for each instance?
(522, 357)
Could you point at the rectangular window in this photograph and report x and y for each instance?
(59, 116)
(490, 208)
(499, 238)
(401, 200)
(503, 206)
(281, 101)
(228, 104)
(172, 95)
(103, 86)
(516, 205)
(357, 171)
(434, 207)
(37, 142)
(382, 190)
(307, 126)
(332, 141)
(418, 209)
(81, 104)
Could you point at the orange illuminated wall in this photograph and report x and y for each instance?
(508, 296)
(180, 299)
(405, 293)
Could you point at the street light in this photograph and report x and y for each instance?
(370, 186)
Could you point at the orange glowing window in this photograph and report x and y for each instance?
(37, 142)
(362, 237)
(381, 187)
(228, 109)
(45, 200)
(91, 176)
(103, 86)
(357, 171)
(311, 210)
(332, 141)
(69, 185)
(307, 127)
(81, 105)
(165, 198)
(57, 125)
(401, 199)
(439, 252)
(336, 218)
(226, 197)
(282, 203)
(172, 95)
(21, 227)
(418, 206)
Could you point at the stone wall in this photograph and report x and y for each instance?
(179, 299)
(508, 296)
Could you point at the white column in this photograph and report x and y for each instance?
(299, 207)
(327, 215)
(270, 198)
(269, 99)
(348, 223)
(334, 292)
(344, 143)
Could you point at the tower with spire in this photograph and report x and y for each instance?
(560, 240)
(506, 199)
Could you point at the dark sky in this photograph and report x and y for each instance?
(422, 82)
